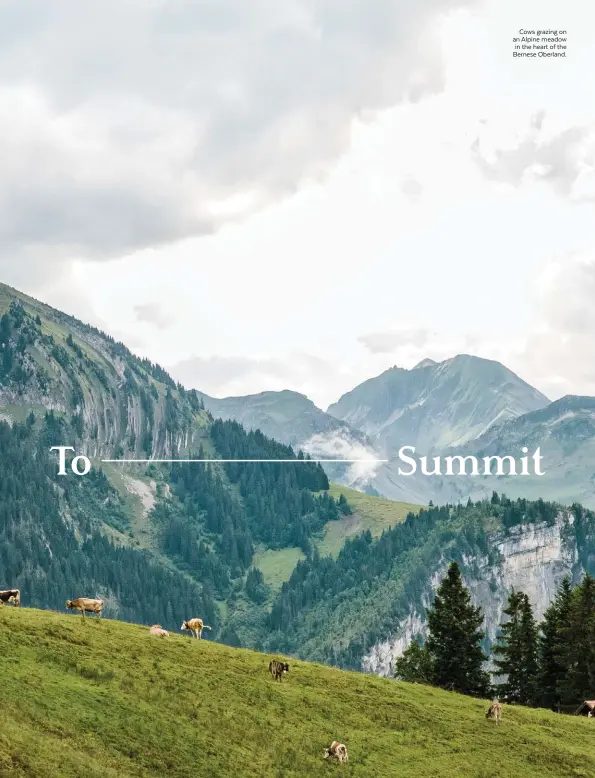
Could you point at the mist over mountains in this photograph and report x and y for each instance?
(465, 405)
(293, 419)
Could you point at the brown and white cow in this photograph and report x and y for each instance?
(494, 711)
(195, 626)
(158, 631)
(336, 751)
(85, 604)
(11, 595)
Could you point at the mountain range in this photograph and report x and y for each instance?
(464, 405)
(275, 557)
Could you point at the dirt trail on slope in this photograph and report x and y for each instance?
(146, 492)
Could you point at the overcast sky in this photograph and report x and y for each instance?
(301, 193)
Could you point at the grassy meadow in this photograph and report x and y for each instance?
(104, 699)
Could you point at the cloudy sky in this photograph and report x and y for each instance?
(300, 194)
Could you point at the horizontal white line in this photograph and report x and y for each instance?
(245, 460)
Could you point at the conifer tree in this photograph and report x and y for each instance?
(551, 660)
(415, 665)
(577, 639)
(454, 639)
(516, 652)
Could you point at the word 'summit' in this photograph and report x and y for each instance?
(462, 461)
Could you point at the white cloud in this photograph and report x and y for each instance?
(348, 239)
(153, 313)
(339, 445)
(130, 125)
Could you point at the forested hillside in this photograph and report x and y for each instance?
(55, 541)
(163, 541)
(374, 586)
(190, 550)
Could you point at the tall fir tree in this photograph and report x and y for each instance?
(551, 650)
(516, 652)
(577, 639)
(529, 641)
(455, 636)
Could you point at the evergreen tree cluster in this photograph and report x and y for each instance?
(374, 583)
(222, 511)
(17, 332)
(52, 549)
(547, 665)
(452, 656)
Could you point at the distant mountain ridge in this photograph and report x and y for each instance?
(289, 417)
(293, 419)
(464, 405)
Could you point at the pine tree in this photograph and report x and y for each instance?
(577, 639)
(415, 665)
(517, 651)
(529, 633)
(552, 666)
(454, 639)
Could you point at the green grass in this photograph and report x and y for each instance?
(277, 566)
(369, 512)
(103, 699)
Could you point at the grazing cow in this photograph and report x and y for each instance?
(158, 631)
(277, 668)
(11, 595)
(195, 626)
(494, 711)
(83, 604)
(336, 751)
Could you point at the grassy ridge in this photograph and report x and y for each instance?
(91, 699)
(369, 513)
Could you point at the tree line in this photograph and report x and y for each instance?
(374, 583)
(550, 664)
(55, 538)
(52, 547)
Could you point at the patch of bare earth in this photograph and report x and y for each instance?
(145, 496)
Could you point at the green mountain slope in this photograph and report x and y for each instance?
(116, 404)
(191, 527)
(367, 513)
(103, 699)
(337, 610)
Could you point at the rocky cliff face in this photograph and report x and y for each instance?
(436, 405)
(116, 403)
(533, 558)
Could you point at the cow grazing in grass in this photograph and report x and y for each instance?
(494, 711)
(278, 668)
(336, 751)
(158, 631)
(85, 604)
(11, 595)
(195, 626)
